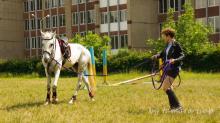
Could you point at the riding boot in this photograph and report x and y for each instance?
(173, 100)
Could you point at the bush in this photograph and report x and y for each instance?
(124, 61)
(19, 66)
(203, 61)
(127, 60)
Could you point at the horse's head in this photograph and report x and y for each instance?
(48, 45)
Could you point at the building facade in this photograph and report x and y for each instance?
(129, 23)
(11, 29)
(208, 12)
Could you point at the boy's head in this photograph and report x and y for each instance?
(168, 34)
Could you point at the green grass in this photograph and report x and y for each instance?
(22, 98)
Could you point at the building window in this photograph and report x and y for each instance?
(117, 43)
(74, 2)
(82, 1)
(104, 17)
(39, 4)
(26, 25)
(33, 24)
(74, 18)
(61, 20)
(32, 5)
(217, 24)
(47, 4)
(61, 2)
(201, 4)
(113, 16)
(123, 15)
(91, 16)
(112, 41)
(33, 43)
(54, 21)
(163, 6)
(38, 23)
(174, 4)
(27, 43)
(25, 6)
(54, 3)
(124, 41)
(182, 4)
(214, 23)
(82, 17)
(39, 42)
(211, 2)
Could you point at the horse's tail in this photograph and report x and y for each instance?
(91, 77)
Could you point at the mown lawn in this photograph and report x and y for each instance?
(22, 98)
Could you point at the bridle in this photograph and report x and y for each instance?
(52, 54)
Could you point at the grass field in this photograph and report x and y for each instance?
(22, 98)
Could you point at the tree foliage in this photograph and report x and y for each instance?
(93, 40)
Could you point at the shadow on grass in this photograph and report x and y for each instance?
(30, 105)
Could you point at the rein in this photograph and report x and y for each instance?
(164, 67)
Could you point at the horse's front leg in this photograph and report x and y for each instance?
(48, 87)
(80, 75)
(57, 75)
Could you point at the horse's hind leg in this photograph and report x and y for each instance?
(77, 88)
(86, 81)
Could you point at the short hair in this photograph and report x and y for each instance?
(168, 32)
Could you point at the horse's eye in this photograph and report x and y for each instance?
(51, 45)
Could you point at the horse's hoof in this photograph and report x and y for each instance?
(92, 99)
(47, 103)
(54, 101)
(72, 101)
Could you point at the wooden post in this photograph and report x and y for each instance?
(91, 49)
(104, 63)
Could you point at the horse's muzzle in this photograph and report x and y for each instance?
(46, 60)
(46, 56)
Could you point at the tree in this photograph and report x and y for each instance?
(192, 34)
(99, 43)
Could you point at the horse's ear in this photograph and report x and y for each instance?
(42, 33)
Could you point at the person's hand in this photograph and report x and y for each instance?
(171, 61)
(154, 57)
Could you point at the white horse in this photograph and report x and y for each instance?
(52, 59)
